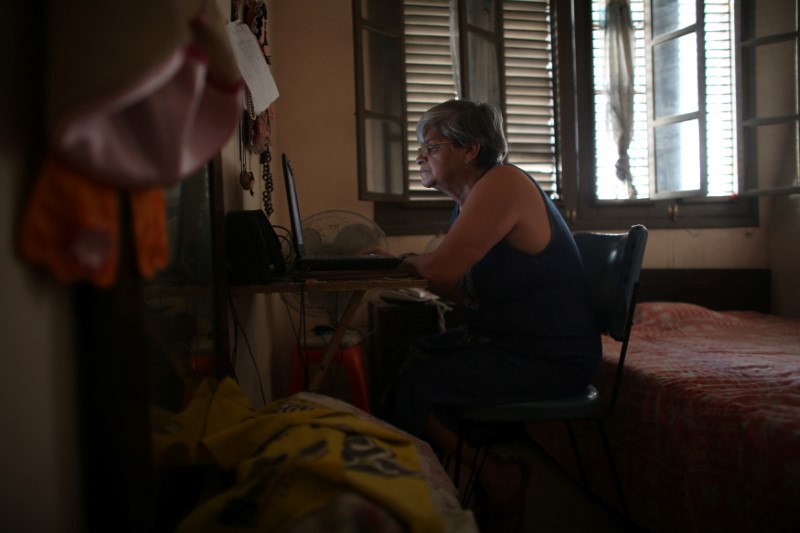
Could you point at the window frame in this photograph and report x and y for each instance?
(575, 148)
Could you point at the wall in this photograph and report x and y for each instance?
(39, 489)
(38, 462)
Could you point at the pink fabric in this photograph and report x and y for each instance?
(706, 433)
(158, 131)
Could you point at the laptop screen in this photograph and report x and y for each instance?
(294, 208)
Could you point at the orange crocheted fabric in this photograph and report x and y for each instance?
(71, 227)
(150, 230)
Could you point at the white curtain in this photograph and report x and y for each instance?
(619, 52)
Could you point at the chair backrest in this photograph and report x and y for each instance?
(613, 262)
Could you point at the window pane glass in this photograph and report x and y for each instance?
(760, 18)
(383, 14)
(675, 76)
(384, 152)
(670, 15)
(383, 80)
(771, 71)
(776, 159)
(678, 157)
(481, 13)
(484, 85)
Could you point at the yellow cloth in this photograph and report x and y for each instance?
(291, 457)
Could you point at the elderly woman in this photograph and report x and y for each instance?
(510, 259)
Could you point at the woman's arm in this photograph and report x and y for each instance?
(419, 263)
(504, 203)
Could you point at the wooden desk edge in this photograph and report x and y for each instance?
(331, 283)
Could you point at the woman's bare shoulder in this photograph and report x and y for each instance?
(508, 174)
(506, 180)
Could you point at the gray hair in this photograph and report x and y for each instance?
(466, 122)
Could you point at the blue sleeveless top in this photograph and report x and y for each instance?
(515, 299)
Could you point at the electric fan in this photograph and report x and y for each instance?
(334, 233)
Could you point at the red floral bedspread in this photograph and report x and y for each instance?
(706, 434)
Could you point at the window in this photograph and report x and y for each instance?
(769, 123)
(664, 152)
(500, 52)
(508, 64)
(549, 84)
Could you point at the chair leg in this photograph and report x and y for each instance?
(478, 459)
(578, 461)
(614, 474)
(475, 469)
(457, 471)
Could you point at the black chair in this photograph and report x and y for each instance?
(613, 263)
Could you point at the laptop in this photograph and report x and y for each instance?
(308, 262)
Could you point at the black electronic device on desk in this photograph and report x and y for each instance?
(252, 249)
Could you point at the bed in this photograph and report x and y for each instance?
(303, 464)
(706, 432)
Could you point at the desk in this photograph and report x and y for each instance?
(357, 282)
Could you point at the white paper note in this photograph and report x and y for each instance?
(252, 65)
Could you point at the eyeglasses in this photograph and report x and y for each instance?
(427, 148)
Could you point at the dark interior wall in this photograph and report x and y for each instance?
(38, 486)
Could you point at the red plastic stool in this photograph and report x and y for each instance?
(349, 355)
